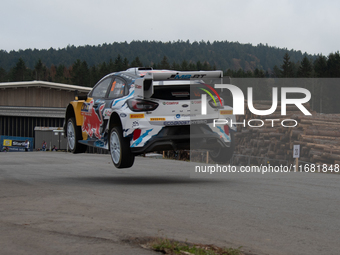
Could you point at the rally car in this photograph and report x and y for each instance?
(142, 110)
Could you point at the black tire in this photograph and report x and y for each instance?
(223, 155)
(73, 133)
(119, 147)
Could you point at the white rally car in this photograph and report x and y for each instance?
(142, 110)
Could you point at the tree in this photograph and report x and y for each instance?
(184, 65)
(20, 72)
(276, 72)
(119, 64)
(164, 63)
(206, 66)
(333, 65)
(306, 68)
(38, 69)
(60, 74)
(80, 73)
(136, 62)
(125, 64)
(175, 66)
(287, 67)
(3, 75)
(103, 69)
(320, 66)
(198, 65)
(259, 73)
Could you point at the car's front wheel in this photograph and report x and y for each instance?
(120, 151)
(73, 133)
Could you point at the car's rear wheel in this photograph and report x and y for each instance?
(73, 133)
(120, 151)
(223, 155)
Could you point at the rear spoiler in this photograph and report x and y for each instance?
(144, 86)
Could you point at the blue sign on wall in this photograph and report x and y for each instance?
(15, 143)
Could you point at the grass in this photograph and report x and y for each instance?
(167, 246)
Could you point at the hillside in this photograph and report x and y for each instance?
(223, 55)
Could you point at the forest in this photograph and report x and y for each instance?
(84, 66)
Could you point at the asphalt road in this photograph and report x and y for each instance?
(59, 203)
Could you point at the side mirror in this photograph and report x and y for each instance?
(77, 97)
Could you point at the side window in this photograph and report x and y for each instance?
(117, 88)
(101, 89)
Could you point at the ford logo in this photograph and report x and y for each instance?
(185, 105)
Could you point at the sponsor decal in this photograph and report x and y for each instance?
(178, 116)
(137, 116)
(93, 120)
(196, 102)
(175, 123)
(180, 94)
(113, 86)
(186, 76)
(199, 122)
(85, 107)
(135, 124)
(18, 143)
(7, 143)
(197, 93)
(184, 122)
(138, 86)
(226, 112)
(185, 105)
(123, 115)
(157, 119)
(14, 143)
(107, 112)
(170, 103)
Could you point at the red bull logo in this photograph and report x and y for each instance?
(93, 121)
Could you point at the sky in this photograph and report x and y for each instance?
(309, 26)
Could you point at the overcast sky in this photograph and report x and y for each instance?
(310, 26)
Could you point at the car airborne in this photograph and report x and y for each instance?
(142, 110)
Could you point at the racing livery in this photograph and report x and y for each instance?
(142, 110)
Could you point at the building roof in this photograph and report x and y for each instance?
(47, 112)
(44, 84)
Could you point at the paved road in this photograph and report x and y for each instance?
(59, 203)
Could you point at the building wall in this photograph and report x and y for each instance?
(35, 97)
(24, 126)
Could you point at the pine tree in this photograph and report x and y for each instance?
(3, 75)
(164, 63)
(320, 66)
(20, 72)
(333, 65)
(38, 70)
(119, 64)
(136, 62)
(287, 67)
(306, 68)
(184, 65)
